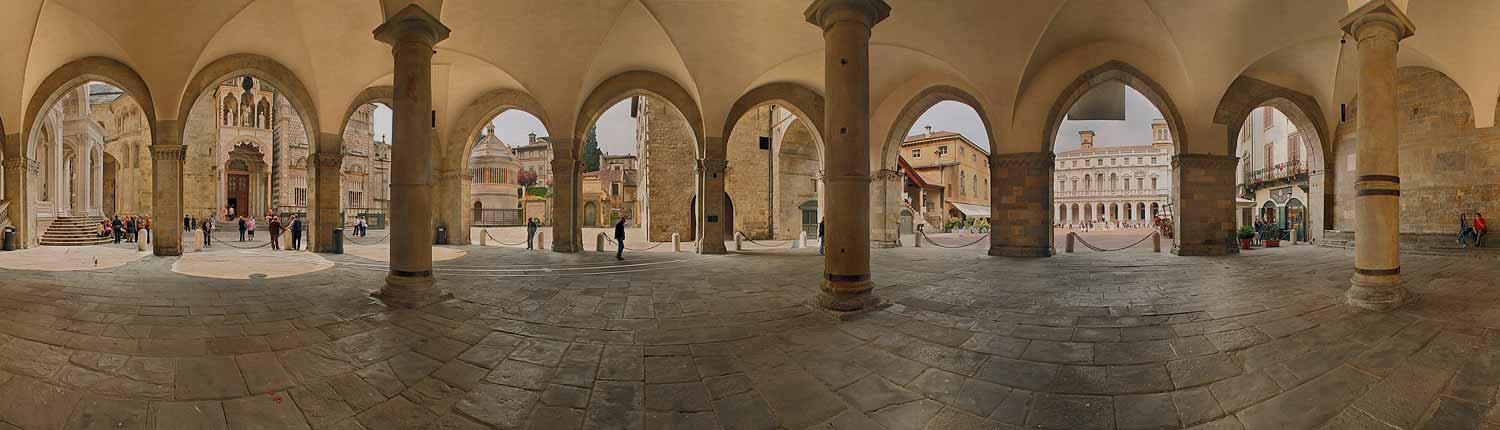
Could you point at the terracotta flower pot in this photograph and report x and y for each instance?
(1273, 243)
(1245, 244)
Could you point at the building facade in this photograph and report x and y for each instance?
(1119, 185)
(1273, 171)
(956, 164)
(494, 189)
(611, 192)
(536, 156)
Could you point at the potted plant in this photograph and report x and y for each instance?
(1246, 234)
(1272, 236)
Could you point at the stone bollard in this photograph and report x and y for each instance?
(676, 243)
(1156, 241)
(1069, 247)
(916, 239)
(738, 244)
(599, 242)
(1293, 235)
(140, 244)
(541, 239)
(483, 237)
(801, 238)
(197, 240)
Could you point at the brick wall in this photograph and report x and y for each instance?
(749, 167)
(669, 160)
(798, 168)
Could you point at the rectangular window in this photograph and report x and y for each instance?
(916, 153)
(1268, 118)
(1294, 148)
(1270, 157)
(1153, 160)
(299, 196)
(1075, 163)
(614, 189)
(1153, 183)
(942, 150)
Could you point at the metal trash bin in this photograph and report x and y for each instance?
(441, 238)
(338, 241)
(9, 241)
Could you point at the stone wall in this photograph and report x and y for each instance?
(1021, 221)
(1447, 165)
(200, 177)
(796, 174)
(749, 169)
(668, 160)
(1205, 214)
(289, 157)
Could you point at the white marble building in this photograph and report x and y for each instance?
(1129, 184)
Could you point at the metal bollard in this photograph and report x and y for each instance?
(676, 243)
(738, 244)
(1156, 241)
(1069, 247)
(1293, 235)
(483, 240)
(599, 242)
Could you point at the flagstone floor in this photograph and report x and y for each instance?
(1115, 340)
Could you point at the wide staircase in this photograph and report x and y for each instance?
(74, 231)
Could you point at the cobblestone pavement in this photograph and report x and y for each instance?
(1129, 340)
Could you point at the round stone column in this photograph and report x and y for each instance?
(846, 25)
(167, 154)
(412, 32)
(1378, 28)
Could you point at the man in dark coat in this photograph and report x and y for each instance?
(275, 233)
(242, 229)
(296, 233)
(530, 231)
(620, 239)
(118, 227)
(820, 237)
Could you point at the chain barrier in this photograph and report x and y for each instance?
(612, 240)
(487, 233)
(231, 243)
(356, 242)
(1091, 246)
(929, 240)
(748, 239)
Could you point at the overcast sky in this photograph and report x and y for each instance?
(617, 128)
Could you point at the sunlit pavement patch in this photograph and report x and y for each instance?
(248, 264)
(69, 258)
(382, 252)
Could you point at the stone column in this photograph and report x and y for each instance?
(325, 210)
(1378, 28)
(448, 206)
(711, 215)
(1021, 204)
(96, 200)
(846, 25)
(412, 32)
(567, 195)
(167, 154)
(15, 177)
(80, 191)
(1204, 209)
(885, 212)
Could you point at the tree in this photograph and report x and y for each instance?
(591, 150)
(526, 178)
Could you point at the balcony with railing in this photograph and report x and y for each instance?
(1288, 173)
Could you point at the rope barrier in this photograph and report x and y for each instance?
(929, 240)
(1091, 246)
(612, 240)
(487, 234)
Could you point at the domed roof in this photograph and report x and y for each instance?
(491, 146)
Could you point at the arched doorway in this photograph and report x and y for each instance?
(1294, 218)
(590, 214)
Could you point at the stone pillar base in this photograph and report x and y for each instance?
(712, 248)
(410, 292)
(844, 300)
(1380, 293)
(885, 244)
(1200, 249)
(1020, 251)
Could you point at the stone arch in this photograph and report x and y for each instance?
(79, 72)
(266, 69)
(1246, 94)
(485, 107)
(636, 83)
(1130, 76)
(918, 105)
(805, 104)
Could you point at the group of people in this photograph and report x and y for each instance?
(247, 228)
(128, 229)
(1475, 228)
(361, 226)
(277, 228)
(1109, 225)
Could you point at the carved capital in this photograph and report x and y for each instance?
(826, 13)
(1206, 161)
(18, 164)
(1023, 159)
(168, 152)
(711, 166)
(888, 175)
(412, 24)
(328, 160)
(1378, 19)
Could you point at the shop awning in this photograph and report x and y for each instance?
(1244, 203)
(973, 211)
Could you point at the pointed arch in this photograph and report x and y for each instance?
(79, 72)
(461, 138)
(1130, 76)
(636, 83)
(804, 103)
(266, 69)
(918, 105)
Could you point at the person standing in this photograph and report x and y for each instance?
(208, 230)
(820, 236)
(620, 239)
(147, 227)
(1479, 229)
(187, 223)
(117, 227)
(250, 227)
(275, 233)
(242, 228)
(296, 233)
(130, 228)
(530, 231)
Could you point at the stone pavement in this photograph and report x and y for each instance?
(1128, 340)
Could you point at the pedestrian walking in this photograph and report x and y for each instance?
(296, 233)
(187, 223)
(530, 231)
(1464, 229)
(117, 227)
(620, 239)
(820, 236)
(130, 229)
(1480, 229)
(242, 228)
(275, 233)
(250, 227)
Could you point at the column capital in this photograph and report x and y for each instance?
(709, 165)
(412, 24)
(17, 163)
(1205, 161)
(168, 152)
(826, 13)
(888, 175)
(1024, 159)
(324, 159)
(1375, 15)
